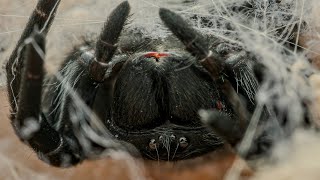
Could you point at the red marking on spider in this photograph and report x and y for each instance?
(156, 55)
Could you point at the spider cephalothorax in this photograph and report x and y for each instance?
(145, 92)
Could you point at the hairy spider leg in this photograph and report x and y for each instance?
(106, 44)
(30, 124)
(94, 68)
(42, 16)
(25, 86)
(25, 78)
(105, 49)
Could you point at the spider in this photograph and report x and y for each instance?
(147, 99)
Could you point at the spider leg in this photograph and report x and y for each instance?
(196, 44)
(224, 125)
(89, 78)
(42, 16)
(56, 144)
(105, 49)
(106, 44)
(89, 71)
(30, 124)
(25, 86)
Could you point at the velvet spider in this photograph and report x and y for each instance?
(145, 98)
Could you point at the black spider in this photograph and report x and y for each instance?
(144, 98)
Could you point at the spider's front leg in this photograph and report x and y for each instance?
(42, 17)
(25, 86)
(30, 124)
(90, 76)
(25, 80)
